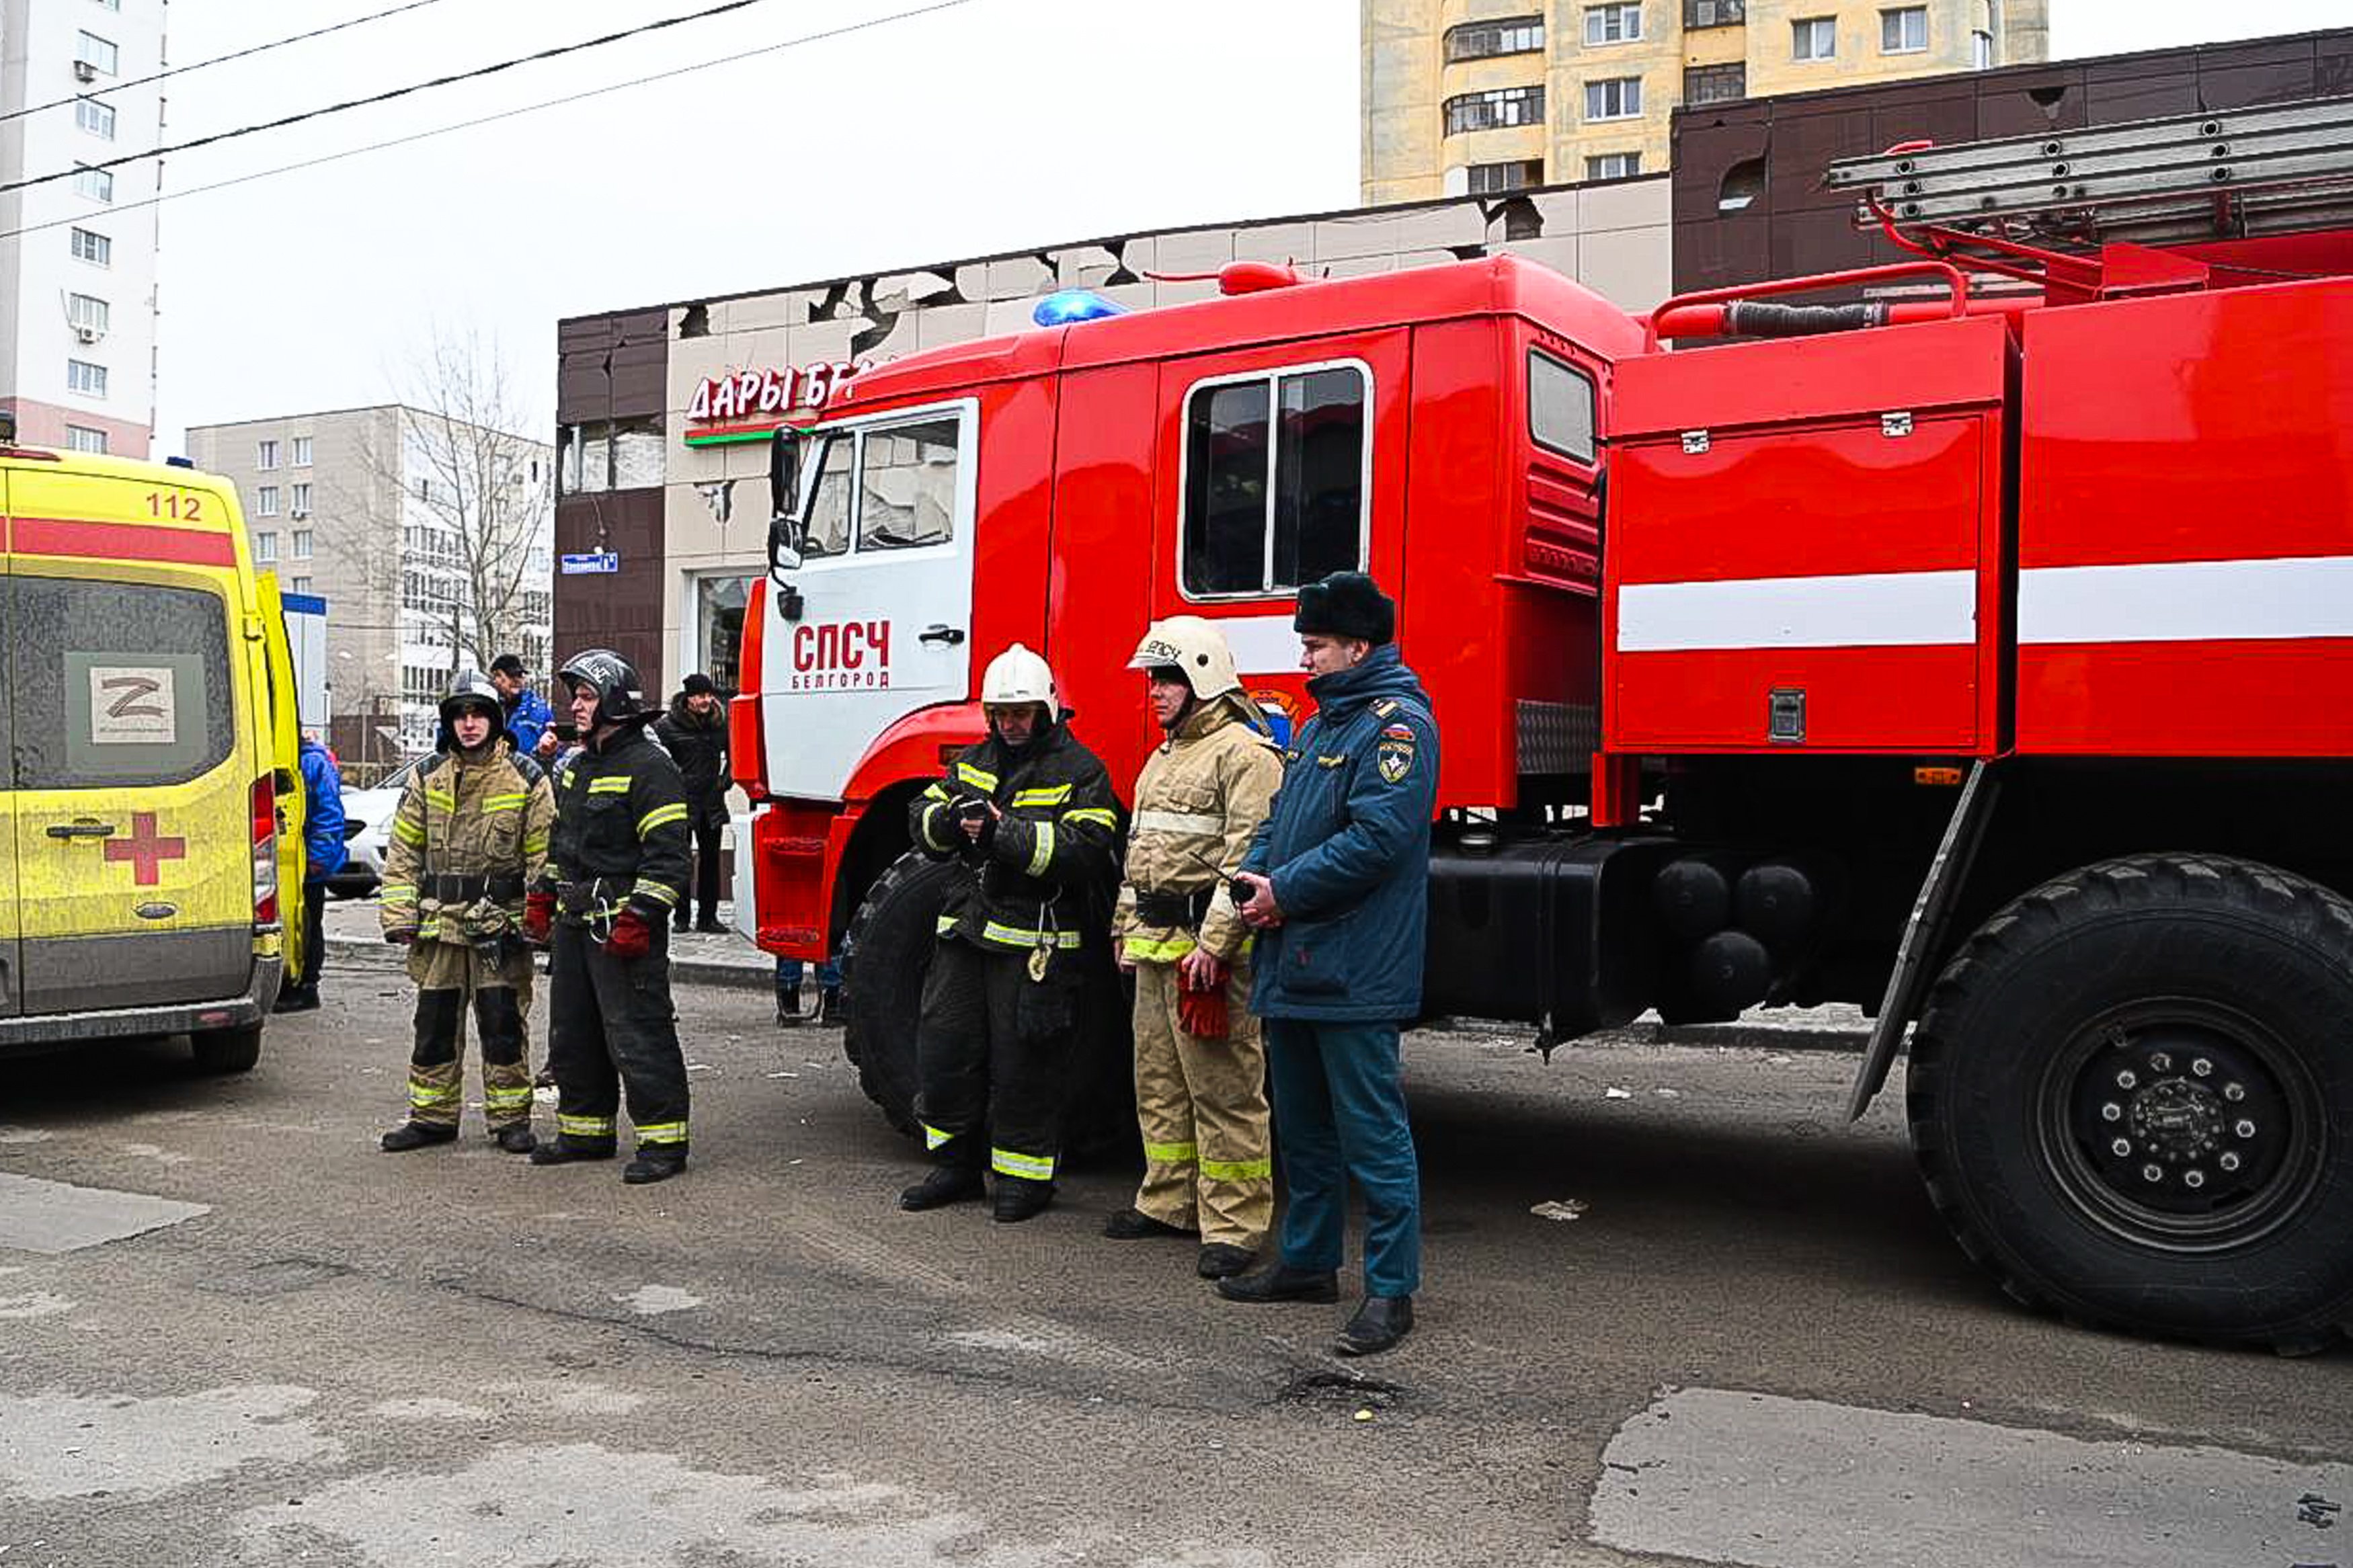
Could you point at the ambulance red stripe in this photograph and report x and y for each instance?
(120, 541)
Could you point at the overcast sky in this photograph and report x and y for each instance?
(985, 125)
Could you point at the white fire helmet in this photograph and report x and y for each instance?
(1195, 646)
(1017, 675)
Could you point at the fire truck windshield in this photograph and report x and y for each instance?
(825, 505)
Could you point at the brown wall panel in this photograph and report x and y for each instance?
(620, 610)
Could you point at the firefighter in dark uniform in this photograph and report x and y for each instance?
(1029, 814)
(616, 871)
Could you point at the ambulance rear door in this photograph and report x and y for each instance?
(281, 732)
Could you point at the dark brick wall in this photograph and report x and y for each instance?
(612, 368)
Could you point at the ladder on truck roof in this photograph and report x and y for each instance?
(2235, 174)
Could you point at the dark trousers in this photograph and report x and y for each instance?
(314, 935)
(1339, 1111)
(610, 1030)
(437, 1077)
(993, 1055)
(704, 829)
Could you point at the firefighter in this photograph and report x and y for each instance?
(1028, 816)
(1337, 882)
(470, 839)
(1200, 1069)
(615, 872)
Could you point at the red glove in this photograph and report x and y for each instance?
(1202, 1014)
(631, 938)
(401, 937)
(538, 918)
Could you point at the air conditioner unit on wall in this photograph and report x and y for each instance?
(85, 334)
(85, 71)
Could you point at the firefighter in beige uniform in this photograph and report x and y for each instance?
(470, 837)
(1201, 1066)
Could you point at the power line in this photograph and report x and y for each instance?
(217, 59)
(479, 72)
(842, 31)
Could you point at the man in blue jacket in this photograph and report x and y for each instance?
(323, 857)
(1337, 882)
(528, 717)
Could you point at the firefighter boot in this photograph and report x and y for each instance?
(788, 1009)
(1223, 1260)
(828, 1008)
(1134, 1225)
(1019, 1198)
(562, 1152)
(1282, 1282)
(517, 1140)
(415, 1135)
(946, 1185)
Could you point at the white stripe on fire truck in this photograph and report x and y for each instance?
(2188, 601)
(1864, 609)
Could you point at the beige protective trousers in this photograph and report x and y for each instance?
(1207, 1148)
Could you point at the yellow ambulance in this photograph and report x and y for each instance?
(151, 855)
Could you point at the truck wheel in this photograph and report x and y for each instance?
(227, 1050)
(885, 955)
(2132, 1097)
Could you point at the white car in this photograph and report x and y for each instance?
(367, 818)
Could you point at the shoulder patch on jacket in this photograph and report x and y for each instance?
(1385, 706)
(1394, 755)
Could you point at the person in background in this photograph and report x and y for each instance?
(323, 857)
(788, 994)
(694, 733)
(527, 716)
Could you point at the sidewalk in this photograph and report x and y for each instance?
(355, 937)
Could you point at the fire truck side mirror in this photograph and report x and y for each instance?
(783, 498)
(783, 546)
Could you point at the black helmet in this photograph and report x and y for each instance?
(472, 688)
(614, 679)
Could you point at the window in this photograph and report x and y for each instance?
(93, 248)
(614, 455)
(301, 451)
(86, 310)
(827, 532)
(264, 455)
(96, 54)
(1814, 39)
(1275, 491)
(1484, 41)
(127, 683)
(96, 184)
(301, 544)
(1620, 98)
(907, 485)
(82, 438)
(719, 622)
(1714, 13)
(94, 117)
(265, 549)
(302, 585)
(1714, 84)
(1612, 23)
(1903, 31)
(265, 500)
(1494, 179)
(1493, 110)
(1613, 165)
(300, 499)
(1560, 407)
(84, 378)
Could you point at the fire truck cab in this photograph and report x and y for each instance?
(1986, 661)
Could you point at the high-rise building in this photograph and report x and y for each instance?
(1484, 97)
(430, 539)
(77, 250)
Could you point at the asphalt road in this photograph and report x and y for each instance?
(1756, 1345)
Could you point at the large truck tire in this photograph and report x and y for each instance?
(885, 955)
(2131, 1095)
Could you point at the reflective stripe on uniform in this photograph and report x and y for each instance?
(934, 1137)
(1015, 936)
(534, 843)
(1238, 1170)
(1171, 1153)
(1043, 794)
(505, 1098)
(1099, 815)
(502, 802)
(395, 890)
(946, 925)
(408, 832)
(1043, 855)
(662, 1133)
(661, 816)
(1145, 950)
(659, 893)
(442, 799)
(979, 778)
(929, 837)
(584, 1126)
(617, 783)
(1029, 1167)
(427, 1095)
(1178, 822)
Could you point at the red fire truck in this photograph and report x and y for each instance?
(1979, 652)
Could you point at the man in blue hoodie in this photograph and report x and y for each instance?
(324, 853)
(1337, 881)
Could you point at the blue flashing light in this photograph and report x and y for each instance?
(1069, 307)
(179, 462)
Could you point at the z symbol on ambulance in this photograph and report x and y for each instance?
(1395, 753)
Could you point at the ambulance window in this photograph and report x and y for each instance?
(1560, 407)
(1275, 485)
(829, 500)
(907, 485)
(117, 683)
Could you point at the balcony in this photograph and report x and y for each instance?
(1714, 13)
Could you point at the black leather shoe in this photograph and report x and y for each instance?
(1282, 1282)
(1223, 1260)
(416, 1135)
(1019, 1198)
(1379, 1323)
(788, 1009)
(946, 1185)
(562, 1152)
(1134, 1225)
(296, 999)
(828, 1008)
(710, 927)
(517, 1140)
(649, 1167)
